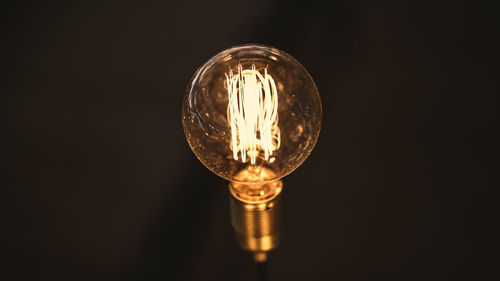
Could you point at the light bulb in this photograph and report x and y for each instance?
(252, 115)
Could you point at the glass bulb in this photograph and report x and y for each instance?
(252, 114)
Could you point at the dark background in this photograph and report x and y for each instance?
(100, 184)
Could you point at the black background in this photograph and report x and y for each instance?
(100, 184)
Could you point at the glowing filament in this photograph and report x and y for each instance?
(252, 114)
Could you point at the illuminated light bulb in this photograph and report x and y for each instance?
(252, 115)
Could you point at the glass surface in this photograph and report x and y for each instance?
(252, 113)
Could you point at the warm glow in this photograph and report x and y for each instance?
(252, 114)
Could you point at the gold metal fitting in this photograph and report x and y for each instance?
(255, 216)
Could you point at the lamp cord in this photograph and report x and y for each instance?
(261, 271)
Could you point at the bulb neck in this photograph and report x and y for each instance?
(255, 216)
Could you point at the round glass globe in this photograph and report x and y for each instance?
(252, 114)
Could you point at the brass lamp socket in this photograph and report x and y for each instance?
(255, 216)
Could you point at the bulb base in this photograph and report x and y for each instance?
(255, 216)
